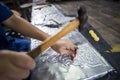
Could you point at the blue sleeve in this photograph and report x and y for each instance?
(5, 12)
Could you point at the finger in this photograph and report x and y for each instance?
(71, 54)
(22, 60)
(9, 78)
(67, 50)
(75, 50)
(72, 50)
(73, 47)
(16, 72)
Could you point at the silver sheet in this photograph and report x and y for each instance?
(87, 65)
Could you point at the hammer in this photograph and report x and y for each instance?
(65, 30)
(83, 20)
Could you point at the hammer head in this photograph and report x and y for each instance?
(82, 16)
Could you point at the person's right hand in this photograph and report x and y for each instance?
(15, 65)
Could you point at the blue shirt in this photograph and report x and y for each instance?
(5, 13)
(8, 42)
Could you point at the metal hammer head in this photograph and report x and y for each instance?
(82, 16)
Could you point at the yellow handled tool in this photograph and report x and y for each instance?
(93, 35)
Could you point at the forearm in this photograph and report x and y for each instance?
(24, 27)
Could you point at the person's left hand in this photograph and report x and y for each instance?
(64, 46)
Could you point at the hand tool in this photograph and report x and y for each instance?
(92, 33)
(83, 20)
(65, 30)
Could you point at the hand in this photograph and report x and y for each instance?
(15, 65)
(64, 46)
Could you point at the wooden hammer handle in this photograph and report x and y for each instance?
(51, 40)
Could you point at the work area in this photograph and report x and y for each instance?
(92, 25)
